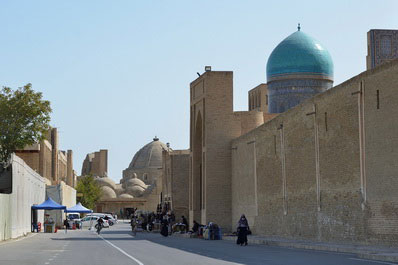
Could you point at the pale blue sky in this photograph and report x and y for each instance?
(117, 73)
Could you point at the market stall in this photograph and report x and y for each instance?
(78, 208)
(49, 204)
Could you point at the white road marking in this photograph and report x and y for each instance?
(375, 261)
(122, 251)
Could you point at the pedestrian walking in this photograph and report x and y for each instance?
(243, 228)
(185, 222)
(165, 227)
(133, 224)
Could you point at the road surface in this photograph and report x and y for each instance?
(117, 246)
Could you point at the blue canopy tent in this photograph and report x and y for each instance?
(49, 204)
(78, 208)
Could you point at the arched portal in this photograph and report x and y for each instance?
(197, 169)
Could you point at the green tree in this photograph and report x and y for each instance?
(24, 120)
(90, 191)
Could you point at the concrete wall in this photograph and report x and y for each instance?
(64, 195)
(326, 169)
(15, 209)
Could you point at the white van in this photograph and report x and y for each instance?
(73, 216)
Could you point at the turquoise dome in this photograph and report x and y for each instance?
(299, 54)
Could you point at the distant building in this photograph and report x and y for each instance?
(96, 164)
(140, 186)
(51, 163)
(56, 168)
(382, 47)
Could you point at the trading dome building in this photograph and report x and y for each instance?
(297, 69)
(141, 185)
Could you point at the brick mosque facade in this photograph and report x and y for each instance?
(325, 170)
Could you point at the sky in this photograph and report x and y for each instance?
(117, 73)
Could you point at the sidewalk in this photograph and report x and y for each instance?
(365, 252)
(10, 240)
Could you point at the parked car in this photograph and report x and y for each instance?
(91, 221)
(111, 220)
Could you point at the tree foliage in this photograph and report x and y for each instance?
(90, 190)
(24, 119)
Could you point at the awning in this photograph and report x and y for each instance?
(78, 208)
(49, 204)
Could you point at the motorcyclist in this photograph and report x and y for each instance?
(100, 224)
(133, 224)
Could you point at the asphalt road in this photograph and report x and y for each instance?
(117, 246)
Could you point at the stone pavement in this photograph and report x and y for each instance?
(365, 252)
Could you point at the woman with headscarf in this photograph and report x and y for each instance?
(243, 228)
(164, 231)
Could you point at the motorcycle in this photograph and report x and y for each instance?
(99, 228)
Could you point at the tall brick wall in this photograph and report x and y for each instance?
(307, 173)
(45, 158)
(62, 166)
(213, 126)
(212, 97)
(179, 181)
(96, 164)
(31, 158)
(381, 153)
(248, 120)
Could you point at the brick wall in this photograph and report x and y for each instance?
(179, 182)
(311, 174)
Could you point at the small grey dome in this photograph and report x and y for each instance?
(106, 182)
(136, 191)
(108, 193)
(135, 182)
(149, 156)
(126, 196)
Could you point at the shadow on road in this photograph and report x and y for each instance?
(226, 251)
(222, 250)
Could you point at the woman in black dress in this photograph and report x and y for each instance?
(164, 231)
(243, 228)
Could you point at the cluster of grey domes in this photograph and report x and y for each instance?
(140, 178)
(134, 187)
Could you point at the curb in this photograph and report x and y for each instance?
(12, 240)
(361, 253)
(391, 257)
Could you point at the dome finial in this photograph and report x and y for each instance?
(298, 27)
(156, 139)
